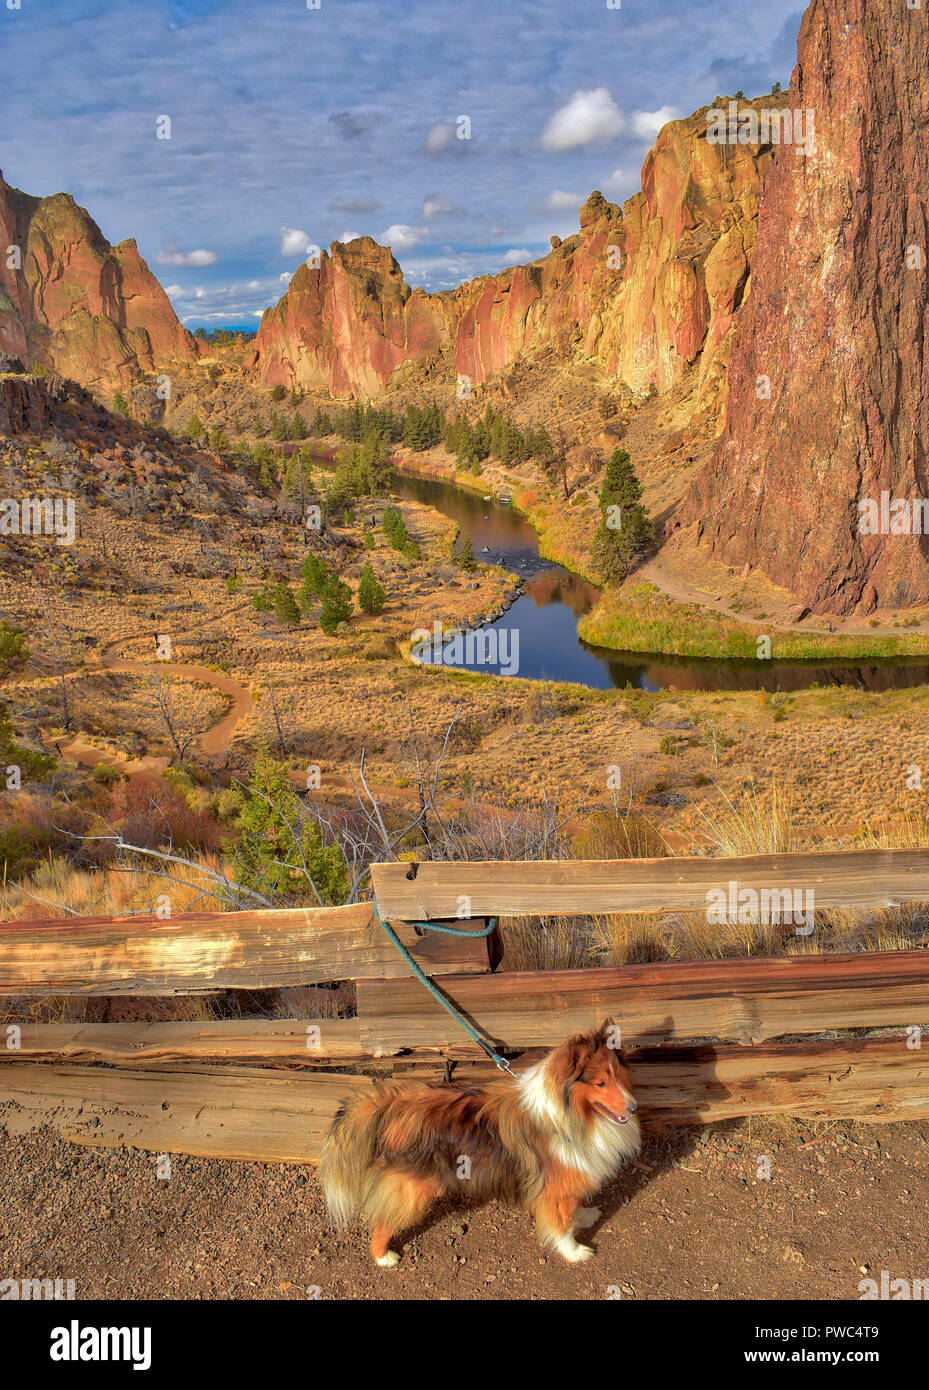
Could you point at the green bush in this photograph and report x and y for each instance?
(337, 606)
(285, 605)
(13, 647)
(280, 844)
(106, 775)
(371, 597)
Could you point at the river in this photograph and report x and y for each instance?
(546, 615)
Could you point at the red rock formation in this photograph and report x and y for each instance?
(836, 318)
(346, 326)
(77, 305)
(648, 292)
(34, 405)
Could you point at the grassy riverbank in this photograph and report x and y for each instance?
(639, 617)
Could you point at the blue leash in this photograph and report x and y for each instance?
(446, 1003)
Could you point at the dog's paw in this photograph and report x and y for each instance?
(389, 1260)
(586, 1216)
(579, 1254)
(574, 1253)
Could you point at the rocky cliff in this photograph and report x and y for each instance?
(836, 323)
(648, 292)
(73, 303)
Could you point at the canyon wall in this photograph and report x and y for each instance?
(76, 305)
(648, 291)
(836, 322)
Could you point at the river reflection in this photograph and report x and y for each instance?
(545, 618)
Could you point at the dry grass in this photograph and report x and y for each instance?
(764, 824)
(58, 885)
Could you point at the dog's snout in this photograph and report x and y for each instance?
(632, 1107)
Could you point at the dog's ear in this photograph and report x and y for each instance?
(570, 1059)
(609, 1035)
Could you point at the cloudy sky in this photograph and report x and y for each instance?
(291, 127)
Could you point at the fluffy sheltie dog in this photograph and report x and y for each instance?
(545, 1140)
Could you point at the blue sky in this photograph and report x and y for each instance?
(293, 127)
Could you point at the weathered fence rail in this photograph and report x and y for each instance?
(205, 951)
(846, 878)
(709, 1040)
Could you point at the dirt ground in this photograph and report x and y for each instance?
(695, 1221)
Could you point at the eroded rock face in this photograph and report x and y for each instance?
(346, 326)
(648, 291)
(836, 319)
(33, 405)
(78, 306)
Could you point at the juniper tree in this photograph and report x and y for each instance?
(280, 851)
(337, 605)
(285, 605)
(625, 532)
(371, 597)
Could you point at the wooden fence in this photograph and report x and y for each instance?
(708, 1040)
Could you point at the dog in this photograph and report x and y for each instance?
(544, 1140)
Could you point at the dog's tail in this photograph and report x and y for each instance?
(347, 1155)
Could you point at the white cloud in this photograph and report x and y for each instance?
(295, 242)
(286, 277)
(588, 116)
(559, 201)
(647, 124)
(439, 138)
(516, 257)
(436, 206)
(621, 181)
(172, 256)
(349, 236)
(400, 237)
(172, 290)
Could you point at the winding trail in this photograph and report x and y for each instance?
(212, 741)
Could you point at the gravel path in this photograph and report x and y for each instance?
(841, 1202)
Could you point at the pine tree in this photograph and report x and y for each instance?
(315, 576)
(285, 605)
(394, 527)
(464, 552)
(194, 427)
(280, 844)
(298, 475)
(337, 606)
(371, 597)
(299, 429)
(625, 532)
